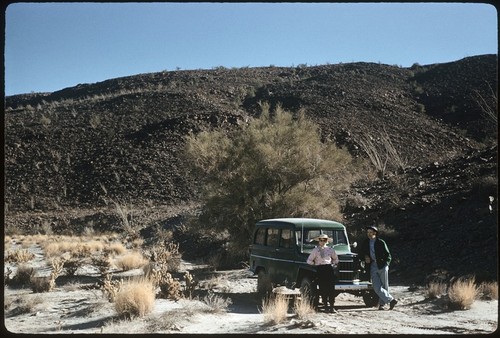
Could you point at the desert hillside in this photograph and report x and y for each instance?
(72, 154)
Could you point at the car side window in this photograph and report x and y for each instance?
(260, 236)
(286, 238)
(272, 237)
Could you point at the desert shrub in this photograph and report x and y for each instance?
(22, 305)
(190, 285)
(275, 309)
(102, 262)
(135, 299)
(71, 265)
(19, 256)
(46, 284)
(110, 287)
(435, 290)
(169, 321)
(129, 261)
(23, 276)
(462, 293)
(274, 165)
(165, 258)
(170, 287)
(303, 308)
(382, 153)
(489, 290)
(216, 303)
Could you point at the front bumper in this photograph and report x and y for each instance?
(354, 286)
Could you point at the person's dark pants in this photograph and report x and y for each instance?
(326, 282)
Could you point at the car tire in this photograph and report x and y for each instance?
(306, 288)
(370, 298)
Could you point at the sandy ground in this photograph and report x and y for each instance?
(72, 309)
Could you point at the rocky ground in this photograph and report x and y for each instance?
(75, 308)
(71, 156)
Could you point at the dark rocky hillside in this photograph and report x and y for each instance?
(70, 153)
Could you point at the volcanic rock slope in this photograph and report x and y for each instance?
(122, 140)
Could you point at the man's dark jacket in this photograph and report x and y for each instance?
(381, 252)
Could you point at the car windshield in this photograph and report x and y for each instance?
(337, 236)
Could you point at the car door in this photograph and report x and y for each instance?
(285, 253)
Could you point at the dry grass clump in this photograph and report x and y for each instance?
(216, 303)
(463, 293)
(132, 260)
(170, 321)
(275, 309)
(435, 290)
(19, 256)
(115, 248)
(136, 298)
(75, 246)
(21, 305)
(303, 308)
(489, 290)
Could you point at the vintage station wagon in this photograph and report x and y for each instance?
(279, 252)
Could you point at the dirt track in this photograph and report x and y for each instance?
(72, 309)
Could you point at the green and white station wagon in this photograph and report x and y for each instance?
(279, 252)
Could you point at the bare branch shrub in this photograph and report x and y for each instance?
(382, 152)
(488, 105)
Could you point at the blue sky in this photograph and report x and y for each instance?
(51, 46)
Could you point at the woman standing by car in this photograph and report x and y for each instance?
(324, 257)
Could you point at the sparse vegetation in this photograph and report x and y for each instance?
(135, 298)
(489, 290)
(303, 308)
(131, 260)
(70, 155)
(435, 290)
(19, 256)
(216, 303)
(274, 165)
(275, 309)
(382, 153)
(462, 293)
(22, 305)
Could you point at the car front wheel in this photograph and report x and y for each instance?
(306, 290)
(370, 298)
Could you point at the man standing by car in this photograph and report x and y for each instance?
(323, 257)
(378, 256)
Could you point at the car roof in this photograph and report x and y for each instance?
(303, 222)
